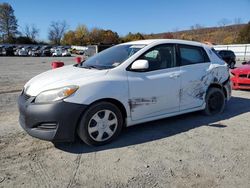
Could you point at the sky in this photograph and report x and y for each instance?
(123, 16)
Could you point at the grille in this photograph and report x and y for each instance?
(244, 76)
(244, 85)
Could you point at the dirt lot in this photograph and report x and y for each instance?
(190, 150)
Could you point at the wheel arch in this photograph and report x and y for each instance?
(113, 101)
(218, 85)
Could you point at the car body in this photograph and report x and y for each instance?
(127, 84)
(23, 52)
(45, 51)
(66, 53)
(8, 51)
(57, 52)
(35, 51)
(228, 56)
(241, 76)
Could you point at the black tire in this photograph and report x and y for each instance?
(232, 64)
(215, 101)
(88, 122)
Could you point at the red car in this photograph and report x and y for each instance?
(241, 76)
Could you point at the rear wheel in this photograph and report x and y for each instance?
(215, 101)
(100, 124)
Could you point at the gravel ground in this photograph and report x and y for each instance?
(190, 150)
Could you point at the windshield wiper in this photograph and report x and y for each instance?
(90, 67)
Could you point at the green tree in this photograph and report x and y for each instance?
(69, 38)
(110, 37)
(8, 22)
(244, 34)
(82, 35)
(132, 37)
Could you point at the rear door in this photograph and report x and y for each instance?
(155, 91)
(194, 68)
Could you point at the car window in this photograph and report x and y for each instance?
(160, 57)
(111, 57)
(192, 55)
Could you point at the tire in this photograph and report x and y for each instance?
(101, 123)
(215, 101)
(232, 64)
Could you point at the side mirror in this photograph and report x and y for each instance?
(140, 65)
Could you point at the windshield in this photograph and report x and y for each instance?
(112, 57)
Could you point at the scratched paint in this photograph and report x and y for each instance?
(197, 89)
(136, 102)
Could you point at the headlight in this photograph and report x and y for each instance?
(231, 74)
(55, 94)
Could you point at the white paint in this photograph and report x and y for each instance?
(146, 96)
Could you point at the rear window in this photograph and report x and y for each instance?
(192, 55)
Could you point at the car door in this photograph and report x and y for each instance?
(194, 70)
(155, 91)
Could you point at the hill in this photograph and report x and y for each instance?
(216, 35)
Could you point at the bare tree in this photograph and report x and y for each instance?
(8, 22)
(56, 31)
(237, 21)
(223, 22)
(31, 31)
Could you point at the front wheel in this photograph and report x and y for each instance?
(100, 124)
(215, 101)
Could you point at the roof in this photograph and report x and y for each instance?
(151, 41)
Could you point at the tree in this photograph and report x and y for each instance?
(237, 21)
(244, 34)
(96, 35)
(131, 37)
(69, 38)
(31, 31)
(56, 31)
(82, 35)
(223, 22)
(8, 22)
(168, 36)
(24, 40)
(110, 37)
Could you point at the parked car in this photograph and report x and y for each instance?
(8, 51)
(45, 51)
(23, 52)
(66, 53)
(57, 52)
(229, 57)
(241, 76)
(35, 51)
(1, 50)
(124, 85)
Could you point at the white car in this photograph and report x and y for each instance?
(57, 52)
(127, 84)
(23, 52)
(66, 53)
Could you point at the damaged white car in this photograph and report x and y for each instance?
(127, 84)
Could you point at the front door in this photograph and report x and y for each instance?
(155, 91)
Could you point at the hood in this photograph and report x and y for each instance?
(60, 77)
(242, 69)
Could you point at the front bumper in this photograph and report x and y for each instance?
(55, 121)
(240, 83)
